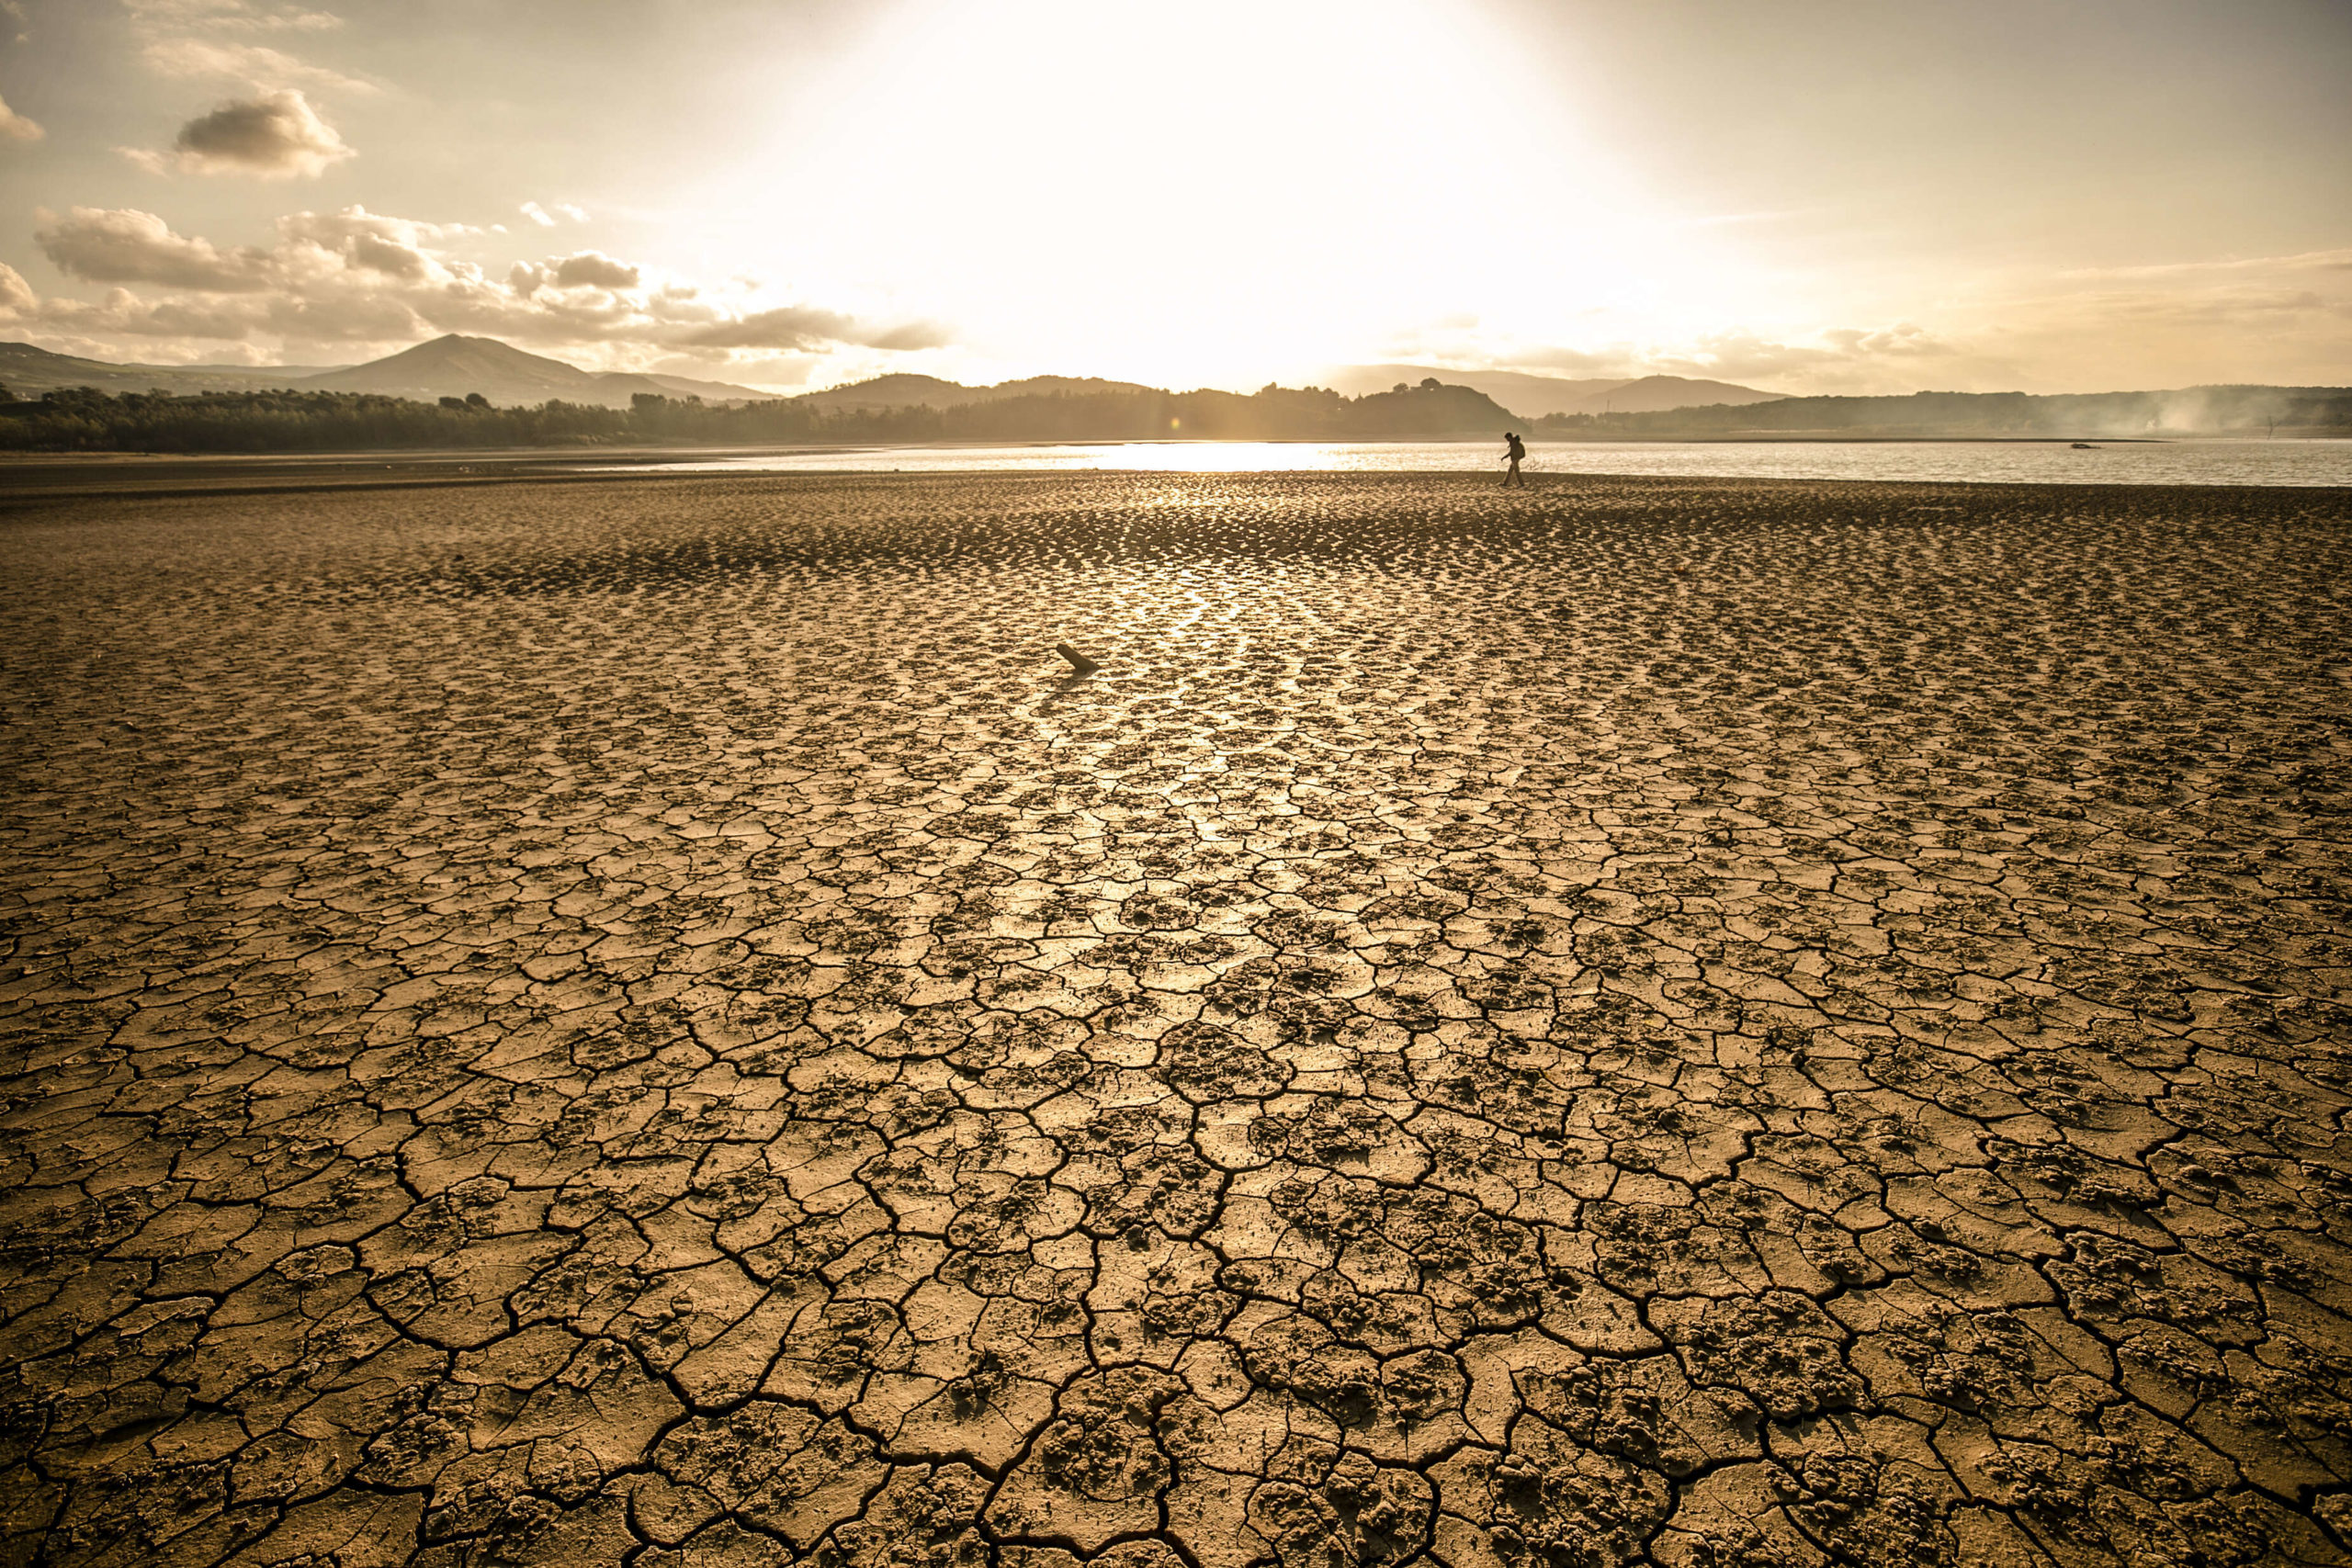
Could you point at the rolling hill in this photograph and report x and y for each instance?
(1534, 397)
(453, 365)
(28, 372)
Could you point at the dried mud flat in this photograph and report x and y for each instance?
(1635, 1021)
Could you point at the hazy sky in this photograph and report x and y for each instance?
(1805, 196)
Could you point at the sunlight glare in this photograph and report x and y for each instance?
(1220, 190)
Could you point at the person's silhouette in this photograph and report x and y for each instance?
(1516, 451)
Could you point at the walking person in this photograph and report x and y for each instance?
(1515, 450)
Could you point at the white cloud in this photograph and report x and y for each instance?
(276, 136)
(584, 269)
(16, 294)
(15, 127)
(536, 214)
(592, 269)
(358, 277)
(344, 232)
(123, 245)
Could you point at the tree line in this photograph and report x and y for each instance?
(86, 419)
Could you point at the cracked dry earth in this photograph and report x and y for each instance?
(1637, 1022)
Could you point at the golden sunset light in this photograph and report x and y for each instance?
(1216, 194)
(1175, 784)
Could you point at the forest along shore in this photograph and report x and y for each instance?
(292, 419)
(1662, 1021)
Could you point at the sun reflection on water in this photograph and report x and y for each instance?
(2026, 462)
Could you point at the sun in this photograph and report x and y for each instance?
(1196, 194)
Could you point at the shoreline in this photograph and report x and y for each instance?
(657, 453)
(27, 482)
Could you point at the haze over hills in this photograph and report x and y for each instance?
(1528, 396)
(2181, 412)
(1534, 397)
(905, 406)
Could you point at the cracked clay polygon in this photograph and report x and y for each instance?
(1640, 1022)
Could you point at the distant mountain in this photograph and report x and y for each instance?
(453, 365)
(1058, 407)
(902, 391)
(1534, 397)
(448, 367)
(1062, 385)
(708, 391)
(1649, 394)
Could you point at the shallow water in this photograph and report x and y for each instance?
(1974, 462)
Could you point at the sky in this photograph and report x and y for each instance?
(1811, 196)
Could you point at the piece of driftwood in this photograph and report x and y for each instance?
(1079, 662)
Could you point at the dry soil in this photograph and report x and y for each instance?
(1628, 1021)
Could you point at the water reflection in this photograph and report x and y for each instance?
(2052, 462)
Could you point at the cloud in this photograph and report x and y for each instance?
(124, 245)
(16, 294)
(338, 228)
(317, 243)
(1905, 340)
(124, 313)
(2303, 261)
(2225, 306)
(805, 327)
(1569, 362)
(907, 338)
(258, 65)
(346, 316)
(231, 16)
(592, 269)
(15, 127)
(793, 326)
(1842, 359)
(2246, 304)
(584, 269)
(536, 214)
(352, 275)
(276, 136)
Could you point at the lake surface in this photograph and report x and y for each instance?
(1982, 462)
